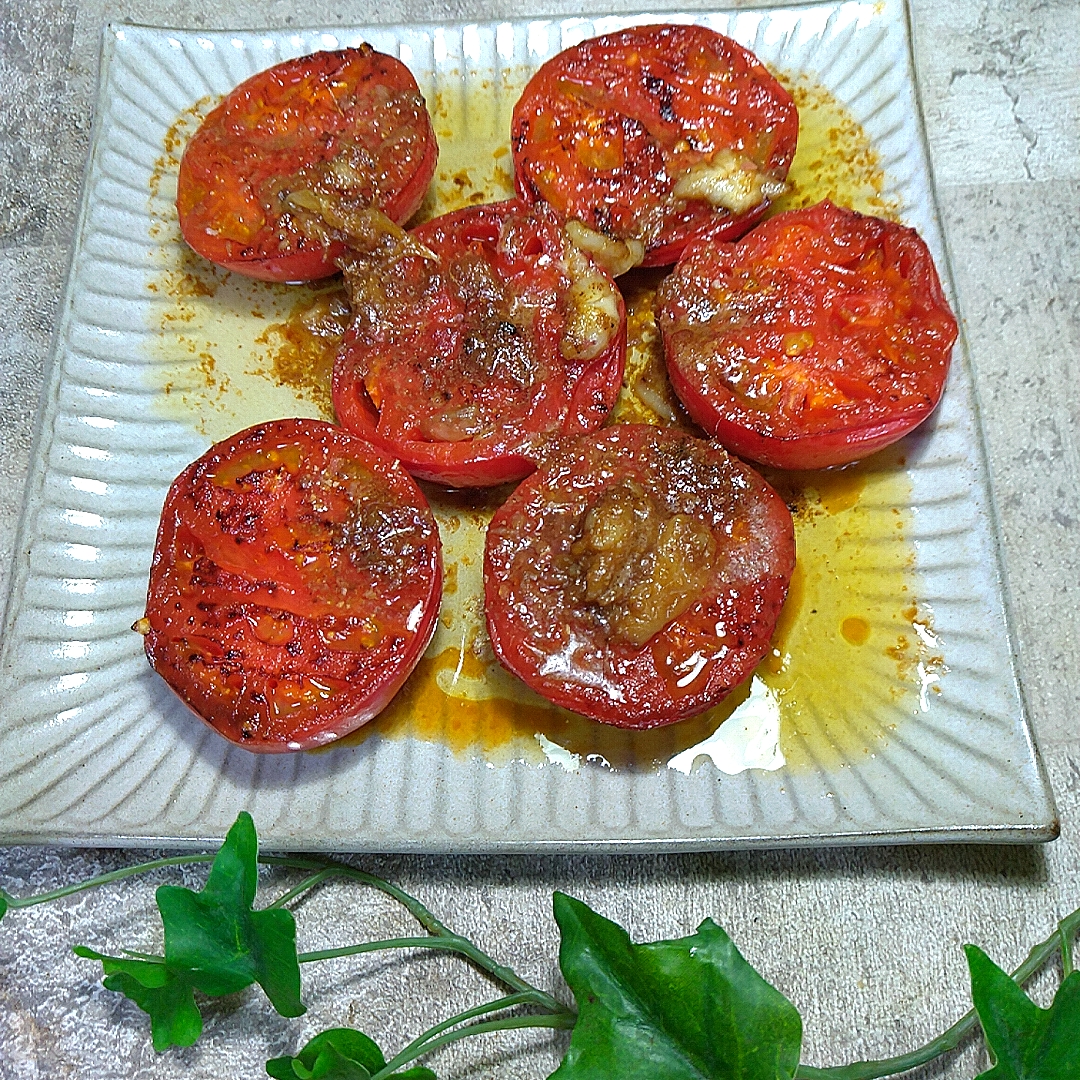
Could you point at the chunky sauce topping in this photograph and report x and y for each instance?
(592, 308)
(321, 200)
(473, 345)
(637, 565)
(729, 181)
(392, 294)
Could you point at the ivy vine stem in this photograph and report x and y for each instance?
(531, 995)
(323, 869)
(376, 946)
(307, 884)
(14, 902)
(509, 1023)
(418, 1046)
(1065, 940)
(951, 1038)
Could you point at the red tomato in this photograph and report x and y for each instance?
(476, 339)
(821, 336)
(655, 135)
(268, 182)
(295, 583)
(636, 577)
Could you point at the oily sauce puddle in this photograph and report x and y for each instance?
(854, 653)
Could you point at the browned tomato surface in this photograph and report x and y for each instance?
(272, 178)
(652, 136)
(637, 576)
(476, 339)
(295, 583)
(818, 338)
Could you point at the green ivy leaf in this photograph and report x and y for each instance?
(164, 994)
(3, 903)
(338, 1054)
(217, 936)
(689, 1009)
(351, 1053)
(1027, 1043)
(214, 942)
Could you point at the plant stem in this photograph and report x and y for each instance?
(375, 946)
(411, 1051)
(439, 932)
(307, 883)
(14, 902)
(151, 957)
(952, 1037)
(1065, 941)
(448, 943)
(103, 879)
(561, 1020)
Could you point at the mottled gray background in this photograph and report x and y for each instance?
(866, 943)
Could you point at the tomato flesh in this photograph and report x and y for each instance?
(476, 340)
(268, 181)
(636, 577)
(655, 135)
(295, 583)
(821, 336)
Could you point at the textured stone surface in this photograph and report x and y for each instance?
(865, 942)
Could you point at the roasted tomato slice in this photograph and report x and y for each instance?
(269, 182)
(477, 338)
(646, 138)
(295, 583)
(636, 577)
(820, 337)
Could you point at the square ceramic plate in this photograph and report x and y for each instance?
(889, 711)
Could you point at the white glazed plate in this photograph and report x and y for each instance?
(94, 749)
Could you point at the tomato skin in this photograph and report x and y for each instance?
(570, 650)
(295, 584)
(426, 345)
(609, 131)
(300, 115)
(817, 339)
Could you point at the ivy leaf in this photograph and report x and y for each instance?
(214, 942)
(338, 1054)
(1027, 1043)
(164, 994)
(217, 936)
(342, 1048)
(688, 1009)
(3, 903)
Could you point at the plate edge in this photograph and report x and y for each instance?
(992, 510)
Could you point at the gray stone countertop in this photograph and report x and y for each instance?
(865, 942)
